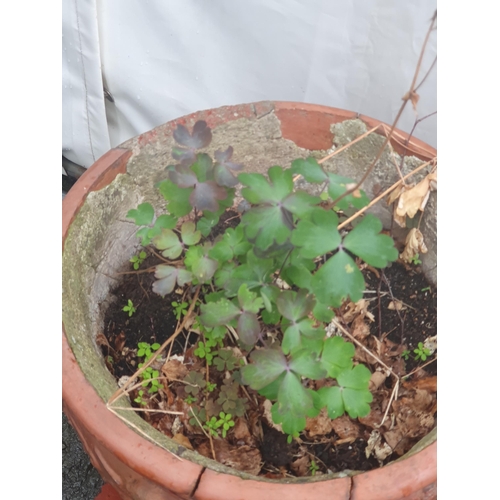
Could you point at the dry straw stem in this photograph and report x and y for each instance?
(148, 410)
(393, 396)
(420, 367)
(209, 436)
(409, 96)
(122, 390)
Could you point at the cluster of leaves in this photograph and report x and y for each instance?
(222, 424)
(421, 353)
(149, 375)
(287, 234)
(137, 260)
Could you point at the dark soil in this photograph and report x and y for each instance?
(418, 320)
(155, 321)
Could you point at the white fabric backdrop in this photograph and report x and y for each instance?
(163, 59)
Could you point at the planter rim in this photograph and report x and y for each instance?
(88, 407)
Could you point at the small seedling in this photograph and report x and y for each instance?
(146, 350)
(426, 289)
(150, 377)
(225, 421)
(129, 308)
(190, 399)
(180, 309)
(211, 387)
(415, 260)
(212, 426)
(140, 400)
(137, 260)
(313, 468)
(421, 352)
(405, 354)
(204, 351)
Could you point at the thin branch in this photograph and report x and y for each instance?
(406, 98)
(393, 394)
(204, 432)
(427, 74)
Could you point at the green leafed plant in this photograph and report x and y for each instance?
(137, 260)
(421, 352)
(129, 308)
(284, 269)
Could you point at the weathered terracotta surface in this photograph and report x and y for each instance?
(134, 466)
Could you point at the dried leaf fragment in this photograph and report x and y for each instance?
(320, 425)
(375, 447)
(414, 199)
(183, 441)
(346, 428)
(414, 244)
(396, 305)
(413, 97)
(376, 380)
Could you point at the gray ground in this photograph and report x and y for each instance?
(80, 481)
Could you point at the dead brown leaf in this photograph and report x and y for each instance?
(174, 370)
(243, 458)
(354, 309)
(376, 380)
(421, 400)
(427, 384)
(320, 425)
(414, 199)
(375, 446)
(397, 441)
(413, 97)
(414, 244)
(242, 433)
(301, 466)
(120, 342)
(373, 419)
(396, 305)
(360, 329)
(183, 441)
(345, 428)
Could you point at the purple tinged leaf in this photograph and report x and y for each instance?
(223, 168)
(167, 278)
(267, 365)
(224, 177)
(182, 176)
(248, 328)
(205, 196)
(224, 156)
(294, 306)
(200, 138)
(185, 156)
(168, 275)
(182, 135)
(202, 135)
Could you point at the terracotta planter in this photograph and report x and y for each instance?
(97, 242)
